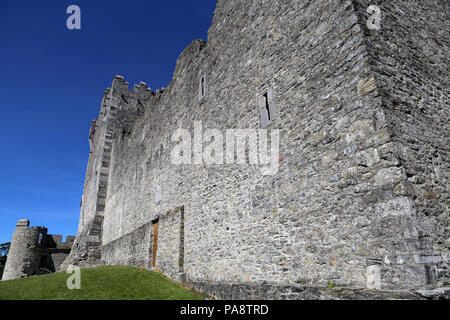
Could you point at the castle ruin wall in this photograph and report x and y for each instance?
(35, 252)
(360, 199)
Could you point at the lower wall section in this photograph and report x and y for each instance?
(159, 245)
(55, 258)
(262, 291)
(170, 248)
(161, 240)
(133, 249)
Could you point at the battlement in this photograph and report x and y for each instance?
(34, 230)
(120, 86)
(123, 106)
(55, 241)
(23, 223)
(141, 87)
(42, 238)
(119, 83)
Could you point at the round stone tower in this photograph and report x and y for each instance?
(24, 257)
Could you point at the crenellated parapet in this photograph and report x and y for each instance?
(54, 241)
(129, 105)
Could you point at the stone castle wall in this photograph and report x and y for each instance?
(34, 252)
(132, 249)
(410, 62)
(23, 258)
(170, 244)
(346, 206)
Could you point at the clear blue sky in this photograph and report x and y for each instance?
(51, 84)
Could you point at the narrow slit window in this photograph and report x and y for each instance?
(202, 87)
(266, 109)
(267, 105)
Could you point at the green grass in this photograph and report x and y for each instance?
(102, 283)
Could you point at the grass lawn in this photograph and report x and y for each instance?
(102, 283)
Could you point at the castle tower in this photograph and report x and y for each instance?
(119, 109)
(24, 256)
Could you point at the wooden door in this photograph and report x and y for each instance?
(155, 243)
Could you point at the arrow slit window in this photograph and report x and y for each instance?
(202, 87)
(266, 109)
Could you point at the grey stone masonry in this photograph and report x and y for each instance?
(34, 252)
(360, 200)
